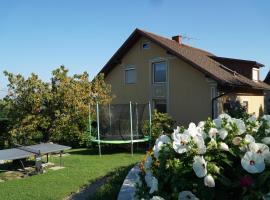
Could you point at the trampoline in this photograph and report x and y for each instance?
(120, 124)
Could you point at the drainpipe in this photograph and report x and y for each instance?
(214, 99)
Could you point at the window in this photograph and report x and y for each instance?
(160, 105)
(159, 72)
(255, 74)
(146, 45)
(130, 75)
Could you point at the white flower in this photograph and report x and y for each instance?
(187, 195)
(225, 116)
(201, 124)
(163, 139)
(249, 138)
(175, 132)
(259, 148)
(199, 166)
(253, 163)
(157, 198)
(218, 121)
(223, 146)
(240, 125)
(154, 185)
(266, 140)
(180, 143)
(192, 130)
(200, 144)
(237, 140)
(252, 118)
(148, 178)
(209, 181)
(222, 133)
(213, 133)
(148, 162)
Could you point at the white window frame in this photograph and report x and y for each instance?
(257, 71)
(153, 72)
(130, 68)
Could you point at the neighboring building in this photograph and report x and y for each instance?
(188, 83)
(267, 95)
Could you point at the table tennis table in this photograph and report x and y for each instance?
(22, 152)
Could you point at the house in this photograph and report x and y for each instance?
(188, 83)
(267, 94)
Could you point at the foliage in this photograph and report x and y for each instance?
(55, 111)
(162, 123)
(235, 109)
(5, 140)
(80, 170)
(218, 159)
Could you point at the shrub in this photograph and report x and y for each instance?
(162, 123)
(224, 158)
(235, 109)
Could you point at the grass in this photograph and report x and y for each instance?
(82, 167)
(111, 189)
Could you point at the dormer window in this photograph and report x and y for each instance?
(255, 74)
(146, 45)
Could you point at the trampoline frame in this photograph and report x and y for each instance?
(131, 140)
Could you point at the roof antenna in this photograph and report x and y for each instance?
(187, 38)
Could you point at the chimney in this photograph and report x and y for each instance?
(177, 38)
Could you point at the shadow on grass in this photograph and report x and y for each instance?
(111, 188)
(15, 165)
(106, 150)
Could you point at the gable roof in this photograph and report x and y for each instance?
(267, 78)
(199, 59)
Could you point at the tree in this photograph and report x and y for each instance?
(55, 111)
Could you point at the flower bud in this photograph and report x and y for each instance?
(209, 181)
(237, 140)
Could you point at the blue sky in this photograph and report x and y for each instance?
(38, 36)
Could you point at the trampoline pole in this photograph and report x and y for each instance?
(89, 120)
(99, 148)
(131, 127)
(150, 123)
(110, 117)
(137, 125)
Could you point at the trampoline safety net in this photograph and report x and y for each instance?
(117, 120)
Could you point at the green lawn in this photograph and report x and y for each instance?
(82, 167)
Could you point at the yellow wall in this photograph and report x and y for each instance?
(190, 95)
(255, 103)
(188, 90)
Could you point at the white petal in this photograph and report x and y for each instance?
(154, 185)
(209, 181)
(222, 133)
(224, 146)
(249, 138)
(266, 140)
(187, 195)
(199, 166)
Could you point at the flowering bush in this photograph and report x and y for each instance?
(224, 158)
